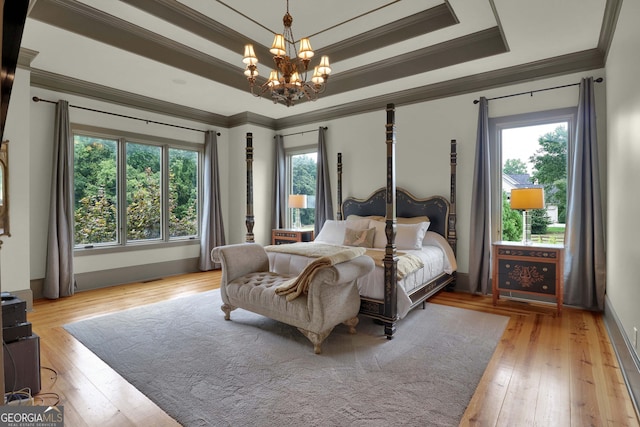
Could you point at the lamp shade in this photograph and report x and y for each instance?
(298, 201)
(527, 198)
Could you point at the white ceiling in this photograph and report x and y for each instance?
(531, 31)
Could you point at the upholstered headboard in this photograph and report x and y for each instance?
(407, 205)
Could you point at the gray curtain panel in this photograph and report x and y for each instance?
(279, 186)
(324, 206)
(480, 236)
(59, 279)
(584, 267)
(212, 227)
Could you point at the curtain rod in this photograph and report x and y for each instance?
(531, 92)
(304, 131)
(36, 99)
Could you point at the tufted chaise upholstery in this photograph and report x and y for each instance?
(332, 299)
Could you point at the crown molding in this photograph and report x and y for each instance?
(249, 118)
(81, 19)
(591, 59)
(63, 84)
(609, 22)
(481, 44)
(577, 62)
(26, 57)
(424, 22)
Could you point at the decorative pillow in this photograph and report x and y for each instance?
(412, 220)
(361, 238)
(357, 224)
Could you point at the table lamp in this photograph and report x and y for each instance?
(297, 202)
(527, 199)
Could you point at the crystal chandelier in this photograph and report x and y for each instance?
(288, 82)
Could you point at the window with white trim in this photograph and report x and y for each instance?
(531, 150)
(130, 190)
(302, 172)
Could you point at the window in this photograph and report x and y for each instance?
(128, 191)
(301, 177)
(531, 150)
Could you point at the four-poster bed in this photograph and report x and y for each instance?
(393, 203)
(391, 291)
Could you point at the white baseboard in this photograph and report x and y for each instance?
(627, 357)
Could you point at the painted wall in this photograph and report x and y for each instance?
(30, 126)
(423, 133)
(15, 261)
(623, 110)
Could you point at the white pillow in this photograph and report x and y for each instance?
(408, 236)
(332, 231)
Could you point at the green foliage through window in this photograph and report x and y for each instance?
(303, 181)
(97, 189)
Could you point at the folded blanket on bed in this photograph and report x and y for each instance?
(308, 249)
(297, 286)
(407, 262)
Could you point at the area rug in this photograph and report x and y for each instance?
(252, 371)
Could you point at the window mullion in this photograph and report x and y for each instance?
(164, 194)
(122, 191)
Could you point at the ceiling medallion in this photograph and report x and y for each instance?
(288, 82)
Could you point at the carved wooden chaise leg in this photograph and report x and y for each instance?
(316, 339)
(352, 323)
(227, 310)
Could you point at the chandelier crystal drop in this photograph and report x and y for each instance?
(288, 82)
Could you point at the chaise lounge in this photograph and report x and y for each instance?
(330, 296)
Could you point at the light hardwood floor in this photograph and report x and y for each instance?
(546, 371)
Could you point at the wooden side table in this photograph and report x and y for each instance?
(535, 269)
(283, 236)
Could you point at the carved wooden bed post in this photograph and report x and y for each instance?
(390, 257)
(339, 213)
(249, 221)
(452, 237)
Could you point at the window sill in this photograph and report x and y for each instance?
(132, 247)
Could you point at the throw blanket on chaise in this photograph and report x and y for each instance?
(297, 286)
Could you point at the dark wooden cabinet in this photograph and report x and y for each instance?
(535, 269)
(282, 236)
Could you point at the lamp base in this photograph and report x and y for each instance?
(526, 227)
(297, 223)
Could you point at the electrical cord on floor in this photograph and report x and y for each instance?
(42, 397)
(13, 363)
(54, 378)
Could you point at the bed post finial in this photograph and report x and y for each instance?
(390, 257)
(339, 213)
(249, 221)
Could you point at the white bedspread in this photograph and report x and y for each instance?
(436, 255)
